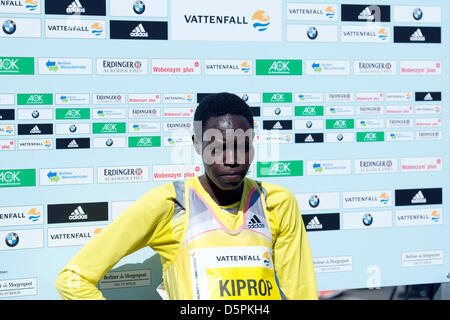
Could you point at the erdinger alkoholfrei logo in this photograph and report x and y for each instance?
(9, 27)
(261, 20)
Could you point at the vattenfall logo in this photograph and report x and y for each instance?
(260, 20)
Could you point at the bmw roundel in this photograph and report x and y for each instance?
(417, 14)
(139, 7)
(73, 128)
(9, 27)
(35, 114)
(312, 33)
(314, 201)
(12, 239)
(109, 142)
(367, 219)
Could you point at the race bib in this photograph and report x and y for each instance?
(233, 273)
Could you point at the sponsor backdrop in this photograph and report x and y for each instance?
(96, 106)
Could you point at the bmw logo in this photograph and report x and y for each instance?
(9, 27)
(417, 14)
(367, 219)
(109, 142)
(312, 33)
(73, 128)
(340, 137)
(309, 124)
(314, 201)
(245, 97)
(12, 239)
(277, 111)
(35, 114)
(139, 7)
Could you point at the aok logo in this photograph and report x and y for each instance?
(8, 64)
(109, 128)
(280, 168)
(340, 124)
(73, 114)
(309, 111)
(18, 178)
(118, 127)
(145, 142)
(35, 99)
(279, 67)
(278, 97)
(9, 177)
(289, 67)
(370, 136)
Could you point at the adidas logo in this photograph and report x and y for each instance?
(428, 97)
(78, 214)
(35, 130)
(418, 198)
(417, 36)
(277, 125)
(75, 7)
(139, 32)
(255, 223)
(366, 14)
(73, 144)
(314, 224)
(309, 138)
